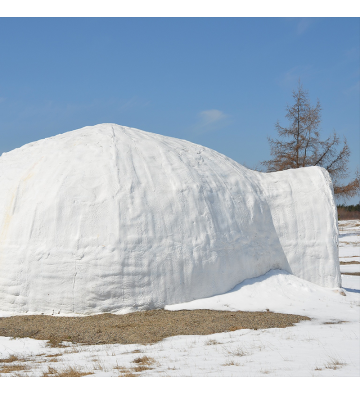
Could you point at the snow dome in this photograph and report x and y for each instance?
(113, 219)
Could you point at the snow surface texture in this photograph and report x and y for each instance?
(328, 345)
(113, 219)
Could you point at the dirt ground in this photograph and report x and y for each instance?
(141, 327)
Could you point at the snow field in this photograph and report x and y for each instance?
(349, 241)
(299, 351)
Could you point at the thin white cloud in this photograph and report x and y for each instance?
(209, 120)
(211, 116)
(290, 77)
(133, 103)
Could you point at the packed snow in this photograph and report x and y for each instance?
(113, 219)
(328, 345)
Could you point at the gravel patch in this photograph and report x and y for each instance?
(142, 327)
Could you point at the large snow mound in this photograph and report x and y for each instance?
(113, 219)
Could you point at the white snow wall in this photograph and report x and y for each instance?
(113, 219)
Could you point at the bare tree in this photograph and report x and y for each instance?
(300, 146)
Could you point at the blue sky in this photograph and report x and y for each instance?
(219, 82)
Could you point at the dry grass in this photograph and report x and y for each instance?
(141, 368)
(12, 368)
(125, 372)
(333, 322)
(212, 342)
(7, 364)
(237, 352)
(98, 365)
(128, 373)
(55, 342)
(265, 371)
(144, 360)
(70, 371)
(11, 358)
(19, 374)
(119, 367)
(350, 263)
(72, 350)
(50, 372)
(334, 364)
(53, 355)
(230, 363)
(235, 328)
(143, 363)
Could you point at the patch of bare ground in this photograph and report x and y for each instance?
(351, 274)
(142, 327)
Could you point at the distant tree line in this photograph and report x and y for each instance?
(350, 207)
(348, 212)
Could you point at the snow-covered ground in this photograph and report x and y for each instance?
(349, 241)
(328, 345)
